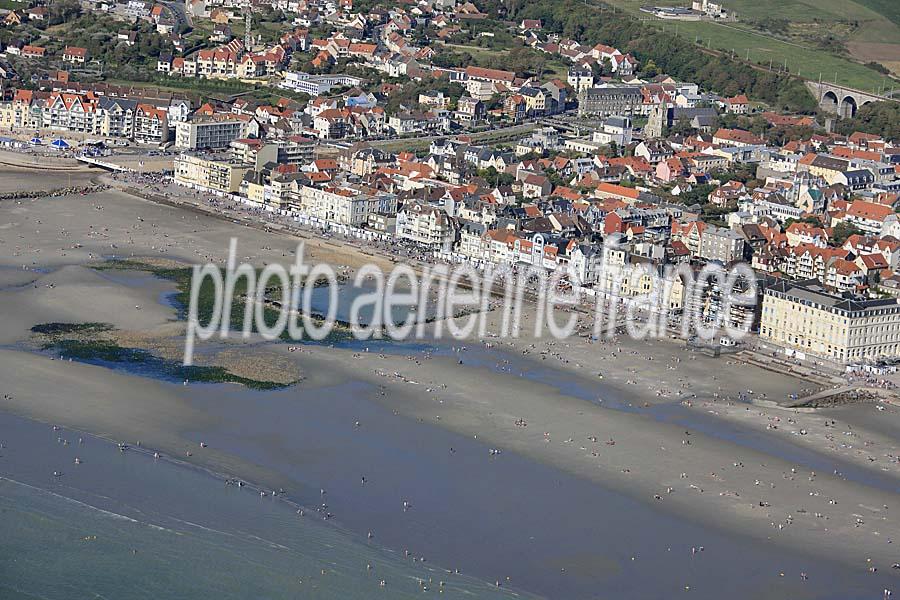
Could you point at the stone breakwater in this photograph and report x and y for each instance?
(841, 396)
(65, 191)
(832, 397)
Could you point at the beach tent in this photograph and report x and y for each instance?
(59, 144)
(36, 141)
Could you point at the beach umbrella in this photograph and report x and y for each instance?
(36, 141)
(59, 144)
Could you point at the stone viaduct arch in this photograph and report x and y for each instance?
(840, 100)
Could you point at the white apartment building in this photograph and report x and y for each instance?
(345, 205)
(213, 132)
(316, 85)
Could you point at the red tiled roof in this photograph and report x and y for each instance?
(869, 210)
(617, 190)
(493, 74)
(75, 51)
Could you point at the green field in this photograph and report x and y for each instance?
(479, 53)
(488, 56)
(868, 28)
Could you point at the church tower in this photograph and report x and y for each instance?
(658, 120)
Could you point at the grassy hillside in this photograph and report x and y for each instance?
(890, 9)
(814, 36)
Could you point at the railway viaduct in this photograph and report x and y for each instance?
(840, 100)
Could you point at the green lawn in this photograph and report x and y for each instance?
(877, 18)
(552, 67)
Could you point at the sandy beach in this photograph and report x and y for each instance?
(655, 427)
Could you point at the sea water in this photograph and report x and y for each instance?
(125, 525)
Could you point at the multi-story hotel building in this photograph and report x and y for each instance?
(802, 316)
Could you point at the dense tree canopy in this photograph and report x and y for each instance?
(881, 118)
(63, 11)
(842, 231)
(99, 35)
(408, 94)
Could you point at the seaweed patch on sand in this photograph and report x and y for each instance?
(96, 343)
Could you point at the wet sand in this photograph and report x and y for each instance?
(692, 473)
(27, 173)
(698, 477)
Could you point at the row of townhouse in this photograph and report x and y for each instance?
(426, 225)
(230, 61)
(332, 123)
(517, 248)
(293, 188)
(832, 267)
(86, 113)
